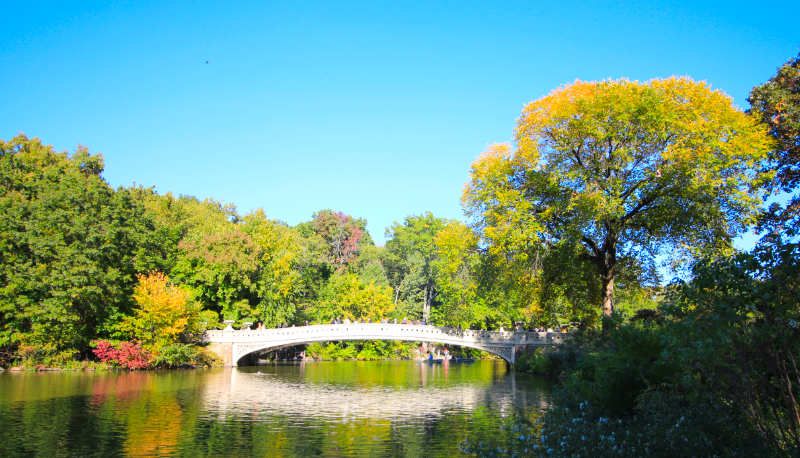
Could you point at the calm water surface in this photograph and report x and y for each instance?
(386, 408)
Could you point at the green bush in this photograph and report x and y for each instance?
(366, 350)
(534, 362)
(176, 355)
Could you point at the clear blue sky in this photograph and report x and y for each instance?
(375, 109)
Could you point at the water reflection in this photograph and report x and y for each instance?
(398, 408)
(407, 391)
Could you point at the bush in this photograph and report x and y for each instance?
(713, 373)
(125, 354)
(534, 362)
(176, 355)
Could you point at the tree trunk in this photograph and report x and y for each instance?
(607, 269)
(608, 293)
(426, 307)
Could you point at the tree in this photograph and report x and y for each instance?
(777, 104)
(347, 296)
(176, 219)
(223, 269)
(343, 234)
(624, 170)
(166, 313)
(70, 248)
(410, 256)
(457, 260)
(279, 282)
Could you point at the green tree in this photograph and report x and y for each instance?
(455, 268)
(410, 256)
(223, 269)
(624, 170)
(70, 248)
(347, 296)
(370, 265)
(279, 281)
(777, 103)
(343, 235)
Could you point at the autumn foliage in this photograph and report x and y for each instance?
(627, 171)
(125, 354)
(166, 312)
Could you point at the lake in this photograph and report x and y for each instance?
(336, 408)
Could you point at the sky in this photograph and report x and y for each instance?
(376, 109)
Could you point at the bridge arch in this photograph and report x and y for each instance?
(232, 345)
(503, 352)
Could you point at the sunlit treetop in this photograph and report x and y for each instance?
(624, 168)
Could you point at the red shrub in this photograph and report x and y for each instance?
(127, 355)
(105, 351)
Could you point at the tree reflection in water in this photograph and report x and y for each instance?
(396, 408)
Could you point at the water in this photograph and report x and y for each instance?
(385, 408)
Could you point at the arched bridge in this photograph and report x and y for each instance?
(232, 345)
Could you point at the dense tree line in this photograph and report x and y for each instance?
(82, 263)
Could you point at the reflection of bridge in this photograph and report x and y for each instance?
(240, 392)
(231, 345)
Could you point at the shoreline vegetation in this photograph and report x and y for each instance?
(316, 352)
(608, 187)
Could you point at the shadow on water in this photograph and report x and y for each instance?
(383, 408)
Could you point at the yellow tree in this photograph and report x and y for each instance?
(166, 312)
(623, 169)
